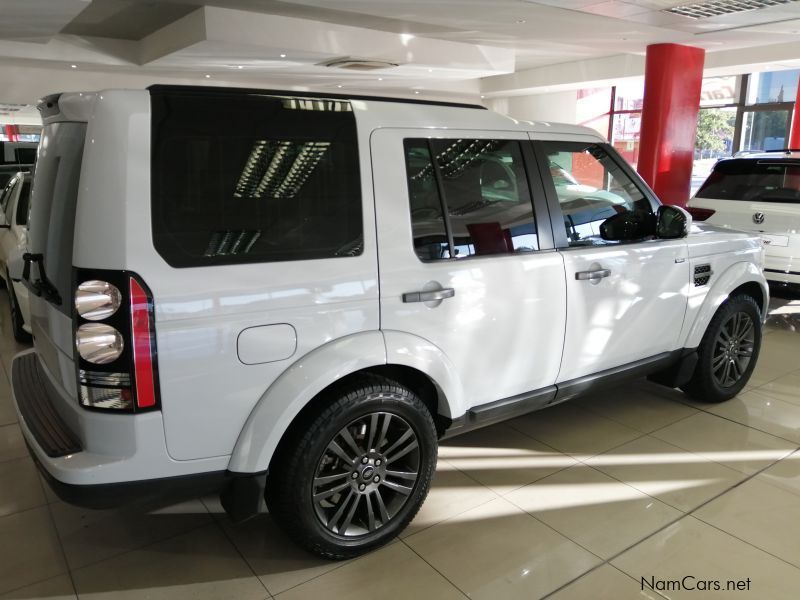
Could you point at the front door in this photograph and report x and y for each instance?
(465, 261)
(626, 300)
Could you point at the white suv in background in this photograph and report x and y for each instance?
(758, 193)
(295, 297)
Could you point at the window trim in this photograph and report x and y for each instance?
(556, 214)
(538, 198)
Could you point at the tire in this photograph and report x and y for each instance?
(335, 482)
(22, 336)
(728, 351)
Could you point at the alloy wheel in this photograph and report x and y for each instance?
(733, 349)
(366, 474)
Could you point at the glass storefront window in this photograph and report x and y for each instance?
(715, 133)
(774, 86)
(629, 95)
(625, 136)
(717, 91)
(765, 130)
(593, 109)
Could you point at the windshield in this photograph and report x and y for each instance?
(762, 180)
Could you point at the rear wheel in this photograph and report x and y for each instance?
(728, 352)
(353, 474)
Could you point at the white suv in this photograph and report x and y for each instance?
(759, 192)
(296, 297)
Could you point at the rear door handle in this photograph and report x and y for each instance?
(592, 275)
(431, 296)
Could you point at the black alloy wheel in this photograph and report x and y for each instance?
(354, 469)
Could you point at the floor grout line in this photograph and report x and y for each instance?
(422, 558)
(238, 551)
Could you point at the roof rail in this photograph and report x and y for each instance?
(160, 88)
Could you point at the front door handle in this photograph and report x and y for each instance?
(592, 275)
(431, 296)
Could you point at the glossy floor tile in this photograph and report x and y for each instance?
(600, 513)
(499, 551)
(681, 479)
(574, 430)
(590, 499)
(699, 552)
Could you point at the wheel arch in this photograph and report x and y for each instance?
(394, 355)
(739, 278)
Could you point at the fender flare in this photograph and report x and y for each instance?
(294, 389)
(308, 376)
(418, 353)
(733, 277)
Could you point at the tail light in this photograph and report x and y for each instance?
(115, 341)
(700, 214)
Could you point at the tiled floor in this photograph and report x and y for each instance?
(583, 500)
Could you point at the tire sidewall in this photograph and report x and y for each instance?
(713, 390)
(399, 402)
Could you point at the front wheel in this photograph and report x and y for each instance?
(351, 475)
(728, 352)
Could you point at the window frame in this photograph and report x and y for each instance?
(553, 203)
(538, 196)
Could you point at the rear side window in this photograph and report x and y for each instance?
(753, 181)
(475, 196)
(240, 178)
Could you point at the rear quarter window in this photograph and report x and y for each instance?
(243, 177)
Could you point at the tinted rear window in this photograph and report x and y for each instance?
(241, 177)
(754, 181)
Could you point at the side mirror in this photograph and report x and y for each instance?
(673, 222)
(628, 226)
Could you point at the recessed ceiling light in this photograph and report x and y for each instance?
(208, 76)
(74, 66)
(483, 96)
(416, 91)
(239, 67)
(380, 78)
(521, 21)
(283, 56)
(338, 86)
(430, 70)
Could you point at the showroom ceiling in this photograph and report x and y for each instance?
(464, 46)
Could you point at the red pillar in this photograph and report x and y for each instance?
(672, 79)
(12, 133)
(794, 135)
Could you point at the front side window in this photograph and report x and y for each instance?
(473, 200)
(591, 187)
(239, 178)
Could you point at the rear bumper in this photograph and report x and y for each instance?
(78, 447)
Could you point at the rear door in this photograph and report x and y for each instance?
(626, 300)
(52, 224)
(461, 231)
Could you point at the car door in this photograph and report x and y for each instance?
(626, 301)
(465, 261)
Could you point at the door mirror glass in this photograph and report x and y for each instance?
(628, 226)
(673, 222)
